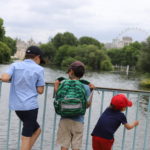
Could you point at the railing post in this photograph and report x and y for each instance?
(146, 128)
(53, 133)
(102, 103)
(19, 135)
(88, 128)
(124, 130)
(136, 118)
(8, 129)
(0, 87)
(43, 118)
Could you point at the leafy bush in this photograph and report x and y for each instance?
(4, 53)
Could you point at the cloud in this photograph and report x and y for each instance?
(102, 19)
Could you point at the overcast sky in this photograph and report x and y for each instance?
(101, 19)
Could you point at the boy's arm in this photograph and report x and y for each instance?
(132, 125)
(89, 101)
(40, 82)
(5, 77)
(57, 83)
(88, 104)
(88, 83)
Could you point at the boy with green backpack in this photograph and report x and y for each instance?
(71, 102)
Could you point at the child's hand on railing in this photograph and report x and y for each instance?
(92, 86)
(56, 85)
(136, 123)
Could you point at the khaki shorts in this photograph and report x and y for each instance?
(70, 133)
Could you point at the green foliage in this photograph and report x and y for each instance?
(64, 39)
(11, 43)
(7, 45)
(145, 83)
(127, 55)
(2, 30)
(61, 54)
(69, 39)
(90, 41)
(106, 65)
(67, 61)
(49, 52)
(58, 40)
(90, 55)
(144, 58)
(4, 53)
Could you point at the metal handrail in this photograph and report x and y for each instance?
(103, 93)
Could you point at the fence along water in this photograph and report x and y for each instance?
(137, 139)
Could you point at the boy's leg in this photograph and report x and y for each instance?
(26, 143)
(63, 148)
(31, 129)
(77, 134)
(35, 136)
(64, 134)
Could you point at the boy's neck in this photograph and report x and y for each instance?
(74, 78)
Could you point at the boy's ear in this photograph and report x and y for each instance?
(71, 71)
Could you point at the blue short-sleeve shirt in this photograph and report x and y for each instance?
(26, 76)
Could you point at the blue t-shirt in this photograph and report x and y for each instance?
(108, 123)
(26, 76)
(81, 117)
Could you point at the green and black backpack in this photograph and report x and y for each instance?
(70, 99)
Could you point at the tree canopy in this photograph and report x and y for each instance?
(144, 57)
(2, 30)
(4, 53)
(66, 38)
(90, 41)
(7, 45)
(127, 55)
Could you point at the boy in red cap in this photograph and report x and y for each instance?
(109, 122)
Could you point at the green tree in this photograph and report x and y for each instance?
(106, 65)
(116, 56)
(66, 38)
(90, 41)
(49, 52)
(4, 53)
(127, 55)
(144, 57)
(11, 43)
(67, 61)
(91, 55)
(2, 30)
(57, 40)
(61, 53)
(69, 39)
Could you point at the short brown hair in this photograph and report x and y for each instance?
(78, 67)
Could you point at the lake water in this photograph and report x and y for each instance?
(109, 80)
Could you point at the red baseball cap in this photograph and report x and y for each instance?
(120, 101)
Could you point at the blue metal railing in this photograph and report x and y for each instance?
(49, 121)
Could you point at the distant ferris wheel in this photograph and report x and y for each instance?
(132, 29)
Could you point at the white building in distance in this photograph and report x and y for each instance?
(22, 46)
(117, 43)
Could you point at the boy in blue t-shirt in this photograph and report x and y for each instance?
(27, 81)
(70, 130)
(109, 122)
